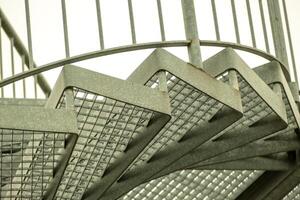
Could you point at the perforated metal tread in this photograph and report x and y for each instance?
(282, 141)
(281, 182)
(192, 82)
(260, 126)
(124, 141)
(246, 87)
(30, 150)
(194, 185)
(114, 126)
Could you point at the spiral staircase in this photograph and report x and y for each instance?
(212, 129)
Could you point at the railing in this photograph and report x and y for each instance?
(266, 21)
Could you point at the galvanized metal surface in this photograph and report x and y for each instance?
(148, 156)
(163, 157)
(154, 101)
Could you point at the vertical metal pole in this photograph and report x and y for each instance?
(100, 27)
(12, 64)
(65, 26)
(277, 31)
(1, 63)
(290, 41)
(251, 23)
(29, 38)
(216, 22)
(132, 26)
(263, 21)
(191, 32)
(24, 82)
(236, 24)
(161, 21)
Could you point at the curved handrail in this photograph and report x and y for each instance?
(134, 47)
(248, 49)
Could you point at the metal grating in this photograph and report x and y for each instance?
(193, 185)
(189, 108)
(106, 126)
(27, 162)
(84, 163)
(293, 194)
(254, 109)
(253, 105)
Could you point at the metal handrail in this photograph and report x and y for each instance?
(142, 46)
(191, 41)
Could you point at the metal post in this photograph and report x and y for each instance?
(287, 24)
(191, 32)
(30, 49)
(65, 26)
(1, 62)
(263, 21)
(277, 31)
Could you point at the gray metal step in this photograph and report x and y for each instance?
(168, 127)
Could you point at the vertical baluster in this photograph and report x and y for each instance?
(131, 17)
(65, 27)
(191, 32)
(290, 40)
(262, 16)
(161, 21)
(24, 82)
(236, 25)
(12, 64)
(100, 27)
(277, 31)
(214, 10)
(29, 38)
(251, 23)
(1, 63)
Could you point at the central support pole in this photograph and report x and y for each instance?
(191, 32)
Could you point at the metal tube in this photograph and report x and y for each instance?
(24, 82)
(65, 26)
(236, 25)
(142, 46)
(191, 32)
(161, 21)
(12, 64)
(1, 63)
(290, 41)
(251, 23)
(29, 38)
(216, 23)
(100, 27)
(277, 31)
(263, 21)
(132, 27)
